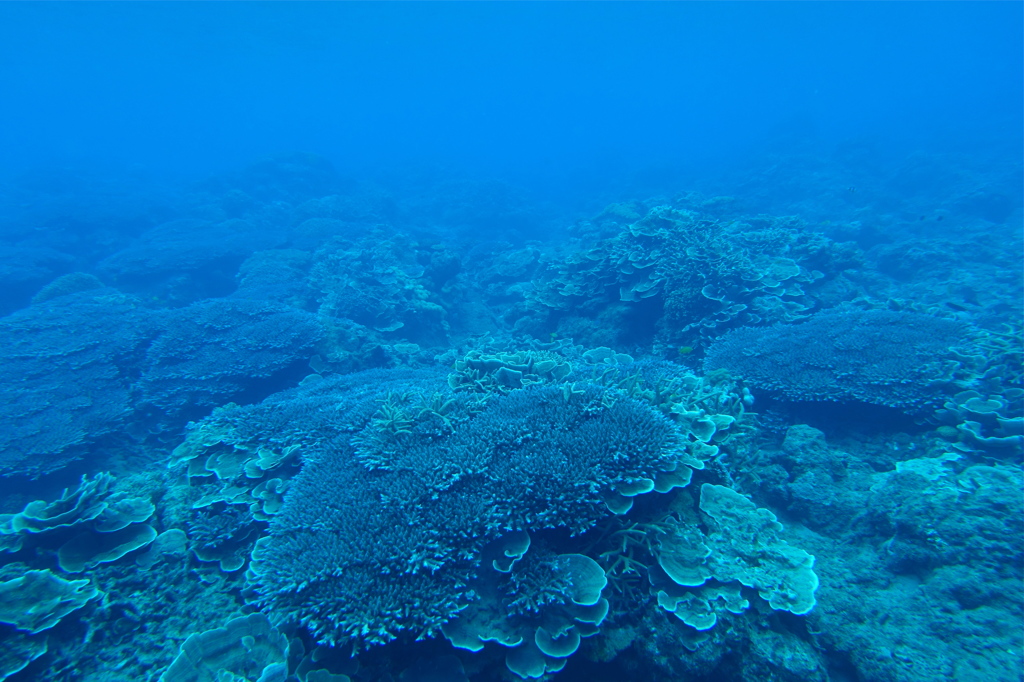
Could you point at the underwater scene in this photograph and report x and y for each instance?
(356, 342)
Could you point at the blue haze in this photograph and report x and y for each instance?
(539, 92)
(479, 342)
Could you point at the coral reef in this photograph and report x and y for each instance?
(78, 390)
(423, 429)
(214, 351)
(247, 647)
(186, 259)
(429, 502)
(72, 389)
(896, 359)
(697, 275)
(416, 490)
(37, 600)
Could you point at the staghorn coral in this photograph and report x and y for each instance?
(409, 532)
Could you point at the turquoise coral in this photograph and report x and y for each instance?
(37, 600)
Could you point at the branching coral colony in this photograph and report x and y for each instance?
(518, 504)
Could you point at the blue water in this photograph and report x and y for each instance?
(435, 342)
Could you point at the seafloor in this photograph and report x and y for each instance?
(287, 425)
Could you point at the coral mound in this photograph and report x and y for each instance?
(882, 357)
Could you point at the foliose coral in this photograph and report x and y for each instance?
(247, 648)
(19, 650)
(106, 524)
(704, 275)
(32, 602)
(379, 284)
(989, 424)
(539, 607)
(37, 600)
